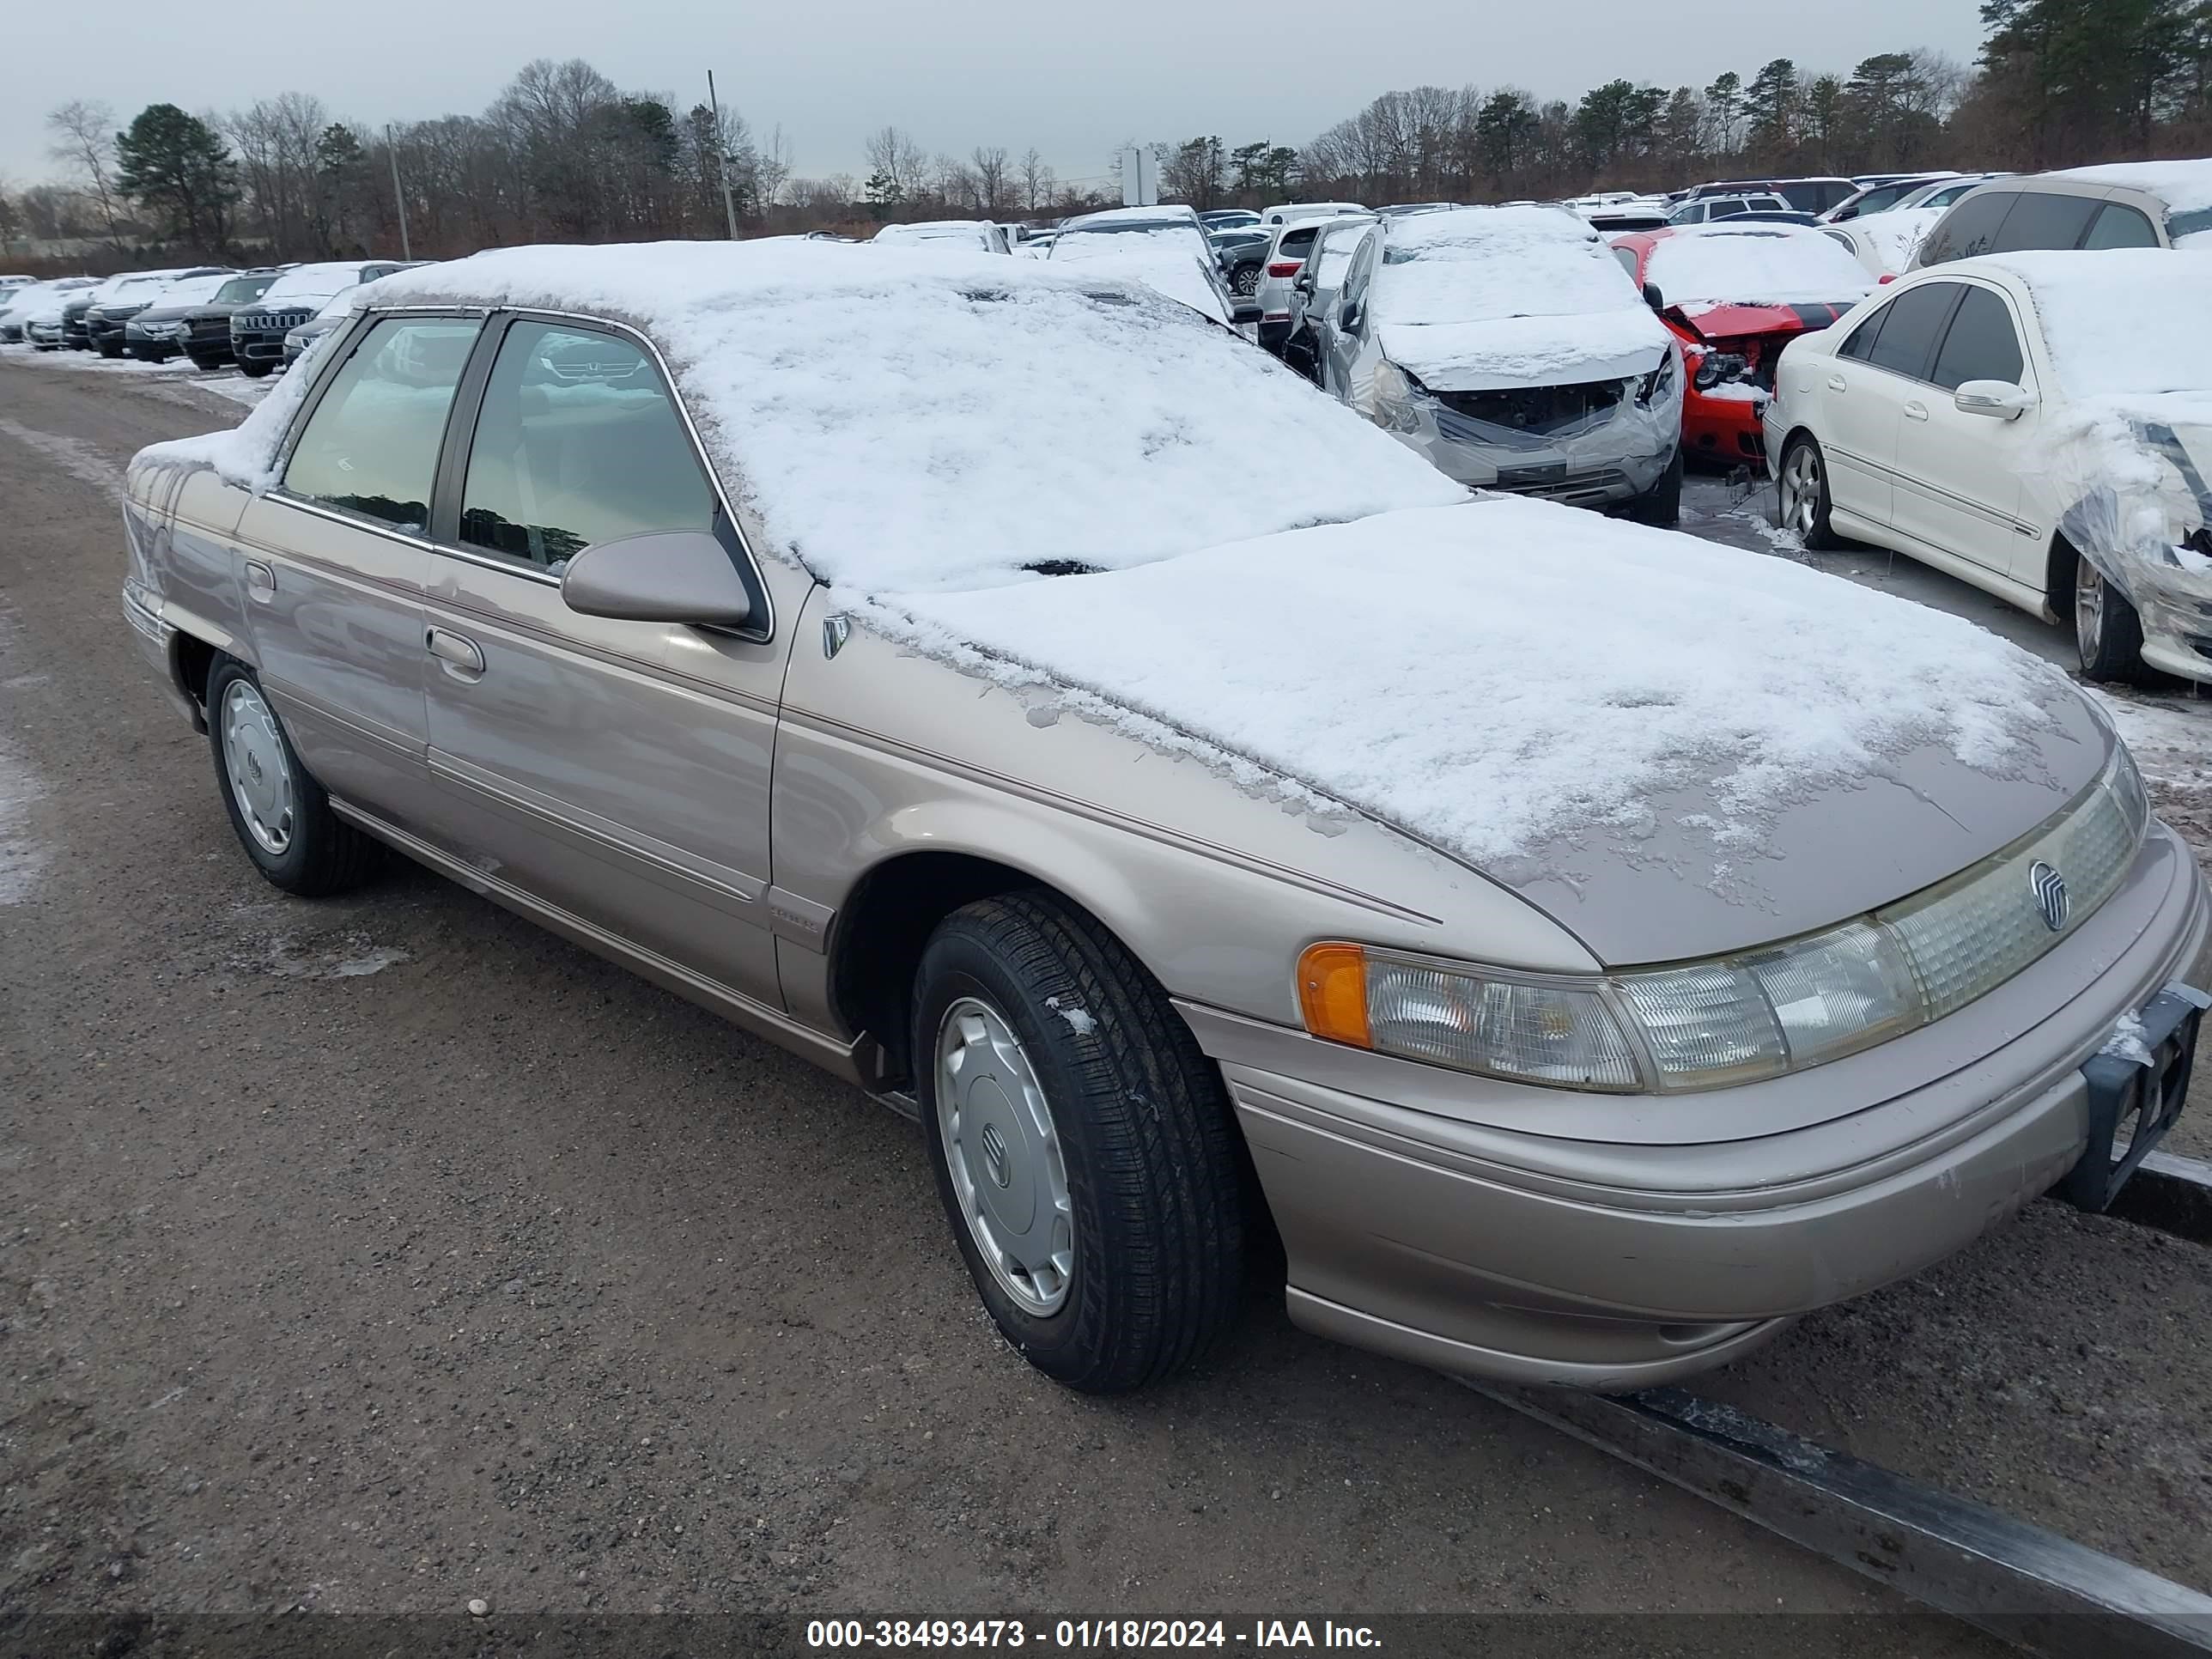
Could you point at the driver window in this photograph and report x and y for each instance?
(579, 442)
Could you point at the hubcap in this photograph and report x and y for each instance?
(253, 760)
(1003, 1154)
(1800, 490)
(2088, 609)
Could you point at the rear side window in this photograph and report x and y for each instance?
(2041, 219)
(1969, 228)
(371, 447)
(1981, 343)
(2117, 225)
(1627, 258)
(1909, 325)
(578, 441)
(1296, 244)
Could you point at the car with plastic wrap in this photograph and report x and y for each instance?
(1735, 295)
(2038, 424)
(19, 303)
(1256, 866)
(258, 329)
(2119, 206)
(1507, 346)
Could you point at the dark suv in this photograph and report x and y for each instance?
(102, 320)
(258, 330)
(206, 335)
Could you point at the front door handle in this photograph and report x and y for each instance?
(260, 581)
(461, 657)
(1835, 383)
(1916, 411)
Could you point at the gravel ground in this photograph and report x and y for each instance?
(376, 1255)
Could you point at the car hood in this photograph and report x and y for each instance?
(1728, 319)
(1672, 748)
(1511, 351)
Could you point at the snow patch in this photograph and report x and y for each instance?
(23, 858)
(2172, 742)
(2128, 1041)
(1081, 1020)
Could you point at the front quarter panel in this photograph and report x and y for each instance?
(1214, 885)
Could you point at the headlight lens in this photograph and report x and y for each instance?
(1737, 1019)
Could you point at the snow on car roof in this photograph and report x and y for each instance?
(2183, 186)
(976, 232)
(906, 423)
(1479, 297)
(1435, 697)
(1748, 264)
(315, 282)
(191, 291)
(2120, 323)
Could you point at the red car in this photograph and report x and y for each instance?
(1735, 294)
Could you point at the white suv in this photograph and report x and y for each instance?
(1287, 257)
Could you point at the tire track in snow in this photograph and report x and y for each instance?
(86, 462)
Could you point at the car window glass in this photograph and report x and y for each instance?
(1337, 252)
(1724, 209)
(578, 443)
(2044, 219)
(1627, 258)
(1980, 344)
(2117, 225)
(1860, 343)
(371, 447)
(1969, 228)
(1913, 320)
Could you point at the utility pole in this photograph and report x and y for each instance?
(722, 157)
(391, 155)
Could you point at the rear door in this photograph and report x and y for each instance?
(617, 772)
(1959, 475)
(331, 561)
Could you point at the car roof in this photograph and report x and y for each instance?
(2183, 186)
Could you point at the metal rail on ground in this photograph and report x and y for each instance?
(2021, 1582)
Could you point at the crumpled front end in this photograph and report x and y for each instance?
(1597, 442)
(2135, 494)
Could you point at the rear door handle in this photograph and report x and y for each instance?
(260, 581)
(461, 657)
(1835, 383)
(1916, 411)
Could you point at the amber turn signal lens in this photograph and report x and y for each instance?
(1332, 992)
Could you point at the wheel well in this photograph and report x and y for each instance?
(877, 941)
(193, 661)
(2058, 578)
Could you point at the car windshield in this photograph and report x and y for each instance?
(1480, 264)
(239, 289)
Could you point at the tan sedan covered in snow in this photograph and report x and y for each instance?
(1246, 848)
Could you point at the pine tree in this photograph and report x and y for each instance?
(177, 167)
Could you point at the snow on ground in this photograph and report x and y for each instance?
(80, 459)
(2171, 741)
(23, 858)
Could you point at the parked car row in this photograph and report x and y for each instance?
(1258, 879)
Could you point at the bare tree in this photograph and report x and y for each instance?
(84, 144)
(1038, 182)
(772, 168)
(988, 163)
(898, 170)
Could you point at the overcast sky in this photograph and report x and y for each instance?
(1074, 81)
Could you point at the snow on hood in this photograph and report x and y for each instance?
(1417, 666)
(1477, 298)
(311, 284)
(1702, 265)
(908, 420)
(189, 290)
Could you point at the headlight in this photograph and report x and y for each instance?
(1656, 382)
(1756, 1014)
(1389, 401)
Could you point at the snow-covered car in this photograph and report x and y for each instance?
(159, 329)
(1118, 233)
(1702, 209)
(1815, 195)
(1289, 212)
(93, 320)
(2124, 204)
(1940, 193)
(1315, 289)
(981, 235)
(1229, 219)
(1735, 294)
(1508, 346)
(206, 338)
(1881, 193)
(1885, 243)
(2038, 424)
(335, 310)
(257, 330)
(1257, 863)
(18, 304)
(1291, 241)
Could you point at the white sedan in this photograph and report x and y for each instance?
(2037, 424)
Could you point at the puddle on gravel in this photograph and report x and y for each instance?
(339, 956)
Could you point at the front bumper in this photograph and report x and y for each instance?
(258, 346)
(1500, 1254)
(1728, 430)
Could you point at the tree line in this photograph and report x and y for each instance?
(564, 154)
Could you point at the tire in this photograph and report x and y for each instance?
(1803, 502)
(2107, 631)
(1662, 504)
(304, 847)
(253, 369)
(110, 352)
(1150, 1164)
(1245, 281)
(206, 365)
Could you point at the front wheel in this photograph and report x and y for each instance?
(2108, 631)
(1245, 281)
(283, 817)
(1801, 494)
(1662, 504)
(110, 352)
(1083, 1144)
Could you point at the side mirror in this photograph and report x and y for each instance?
(2000, 400)
(1653, 297)
(666, 576)
(1241, 311)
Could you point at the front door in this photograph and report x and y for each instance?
(617, 771)
(1959, 476)
(1862, 395)
(333, 562)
